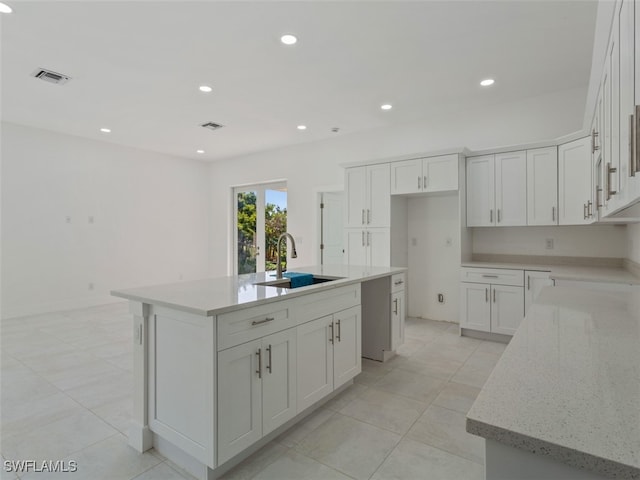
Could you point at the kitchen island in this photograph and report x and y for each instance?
(564, 399)
(223, 365)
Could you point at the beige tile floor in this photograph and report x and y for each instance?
(65, 385)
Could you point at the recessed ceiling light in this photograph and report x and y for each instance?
(288, 39)
(205, 88)
(302, 127)
(386, 106)
(487, 82)
(199, 151)
(105, 130)
(4, 8)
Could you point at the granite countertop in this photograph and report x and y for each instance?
(211, 296)
(568, 384)
(582, 273)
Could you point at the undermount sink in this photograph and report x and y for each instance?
(286, 283)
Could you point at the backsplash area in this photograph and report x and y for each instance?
(607, 241)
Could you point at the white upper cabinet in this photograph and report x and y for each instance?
(497, 190)
(575, 203)
(368, 196)
(542, 186)
(480, 191)
(511, 189)
(432, 174)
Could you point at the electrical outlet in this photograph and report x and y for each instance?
(449, 242)
(68, 219)
(549, 243)
(414, 241)
(440, 298)
(91, 286)
(91, 219)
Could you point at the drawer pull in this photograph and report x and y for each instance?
(494, 295)
(489, 276)
(338, 335)
(331, 337)
(399, 282)
(260, 322)
(269, 364)
(486, 295)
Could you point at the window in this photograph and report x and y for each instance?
(260, 218)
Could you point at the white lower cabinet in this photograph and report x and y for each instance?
(534, 282)
(329, 355)
(397, 319)
(256, 390)
(494, 302)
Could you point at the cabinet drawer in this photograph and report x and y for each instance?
(316, 305)
(249, 324)
(397, 282)
(497, 276)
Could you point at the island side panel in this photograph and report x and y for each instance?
(376, 318)
(140, 436)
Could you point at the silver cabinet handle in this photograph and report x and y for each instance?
(269, 364)
(491, 216)
(363, 238)
(632, 146)
(528, 282)
(486, 295)
(589, 212)
(259, 371)
(584, 210)
(489, 276)
(424, 182)
(338, 334)
(395, 306)
(594, 147)
(368, 216)
(636, 138)
(260, 322)
(553, 214)
(331, 337)
(419, 182)
(368, 239)
(494, 295)
(399, 282)
(610, 170)
(499, 216)
(363, 216)
(598, 197)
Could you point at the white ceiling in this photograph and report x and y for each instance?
(136, 66)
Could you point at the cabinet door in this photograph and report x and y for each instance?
(534, 283)
(406, 176)
(614, 113)
(378, 196)
(278, 379)
(507, 308)
(397, 319)
(239, 399)
(542, 186)
(355, 182)
(314, 361)
(355, 246)
(347, 354)
(378, 242)
(475, 307)
(440, 174)
(511, 189)
(574, 182)
(480, 191)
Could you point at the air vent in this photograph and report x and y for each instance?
(212, 126)
(52, 77)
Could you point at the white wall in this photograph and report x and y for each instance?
(434, 265)
(633, 242)
(572, 241)
(309, 166)
(151, 215)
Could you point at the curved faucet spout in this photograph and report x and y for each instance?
(294, 254)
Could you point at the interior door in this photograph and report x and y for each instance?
(331, 228)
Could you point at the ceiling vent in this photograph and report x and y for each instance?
(52, 77)
(212, 126)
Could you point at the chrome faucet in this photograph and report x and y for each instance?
(294, 254)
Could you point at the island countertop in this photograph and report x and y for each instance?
(212, 296)
(568, 384)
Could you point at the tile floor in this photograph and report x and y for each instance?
(66, 395)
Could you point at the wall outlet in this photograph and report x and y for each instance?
(91, 286)
(548, 243)
(68, 219)
(449, 242)
(91, 219)
(414, 241)
(440, 298)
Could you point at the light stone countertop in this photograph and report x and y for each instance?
(211, 296)
(568, 272)
(568, 384)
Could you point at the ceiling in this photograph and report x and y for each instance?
(136, 66)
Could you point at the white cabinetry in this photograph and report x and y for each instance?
(491, 300)
(425, 175)
(329, 355)
(497, 190)
(575, 202)
(370, 247)
(535, 281)
(398, 311)
(257, 390)
(542, 186)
